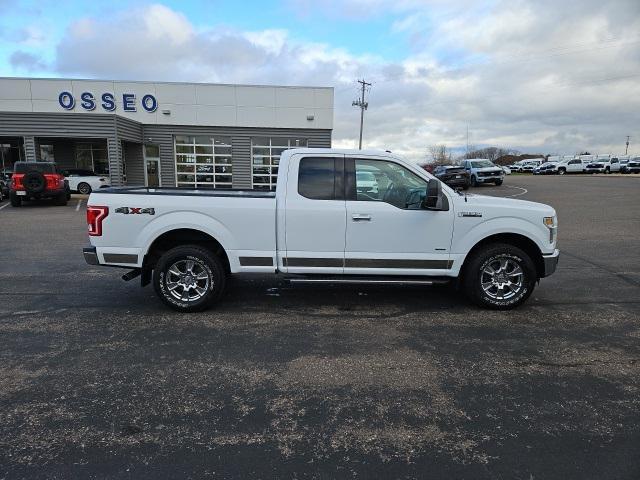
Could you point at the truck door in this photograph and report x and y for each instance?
(315, 216)
(387, 231)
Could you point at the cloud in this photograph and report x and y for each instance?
(25, 61)
(543, 75)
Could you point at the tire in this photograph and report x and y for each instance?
(465, 186)
(498, 183)
(15, 200)
(561, 171)
(34, 182)
(84, 188)
(491, 256)
(607, 170)
(474, 181)
(178, 260)
(61, 199)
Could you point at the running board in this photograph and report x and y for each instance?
(372, 281)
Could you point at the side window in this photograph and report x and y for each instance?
(383, 181)
(574, 162)
(316, 178)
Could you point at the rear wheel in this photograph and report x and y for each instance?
(84, 188)
(499, 276)
(15, 200)
(189, 278)
(61, 199)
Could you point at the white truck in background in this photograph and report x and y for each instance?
(326, 222)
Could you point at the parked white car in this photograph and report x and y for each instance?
(530, 165)
(85, 181)
(366, 182)
(506, 170)
(317, 227)
(603, 164)
(569, 165)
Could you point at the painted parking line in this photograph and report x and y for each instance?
(78, 206)
(522, 191)
(5, 205)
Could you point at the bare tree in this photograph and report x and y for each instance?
(440, 154)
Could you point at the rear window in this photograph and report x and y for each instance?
(41, 167)
(316, 178)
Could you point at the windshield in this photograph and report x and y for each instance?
(482, 164)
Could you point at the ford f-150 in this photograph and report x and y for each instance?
(325, 223)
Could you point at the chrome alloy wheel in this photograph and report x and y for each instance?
(187, 280)
(502, 278)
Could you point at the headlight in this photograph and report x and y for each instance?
(552, 224)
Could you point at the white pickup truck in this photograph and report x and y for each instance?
(323, 223)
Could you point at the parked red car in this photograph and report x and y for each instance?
(35, 180)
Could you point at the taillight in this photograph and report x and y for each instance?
(95, 216)
(17, 181)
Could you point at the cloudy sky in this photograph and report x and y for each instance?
(542, 76)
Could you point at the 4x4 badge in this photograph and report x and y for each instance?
(135, 210)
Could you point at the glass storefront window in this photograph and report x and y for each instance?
(93, 156)
(265, 158)
(203, 161)
(46, 153)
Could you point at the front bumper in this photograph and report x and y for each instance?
(90, 255)
(490, 179)
(550, 262)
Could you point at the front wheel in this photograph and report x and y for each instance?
(499, 276)
(561, 171)
(189, 278)
(474, 181)
(498, 182)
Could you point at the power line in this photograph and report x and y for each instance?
(363, 106)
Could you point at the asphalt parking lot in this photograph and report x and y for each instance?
(99, 380)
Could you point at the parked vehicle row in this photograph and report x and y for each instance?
(562, 165)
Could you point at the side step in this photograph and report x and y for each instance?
(371, 280)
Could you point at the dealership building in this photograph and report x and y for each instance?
(162, 134)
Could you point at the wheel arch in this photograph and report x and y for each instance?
(517, 240)
(184, 236)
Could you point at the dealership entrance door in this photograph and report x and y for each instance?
(152, 165)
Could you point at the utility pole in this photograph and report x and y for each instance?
(626, 150)
(467, 156)
(363, 106)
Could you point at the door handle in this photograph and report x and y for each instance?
(361, 217)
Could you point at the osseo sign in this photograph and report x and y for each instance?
(107, 101)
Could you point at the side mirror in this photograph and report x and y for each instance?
(435, 199)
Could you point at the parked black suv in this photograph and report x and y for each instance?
(453, 175)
